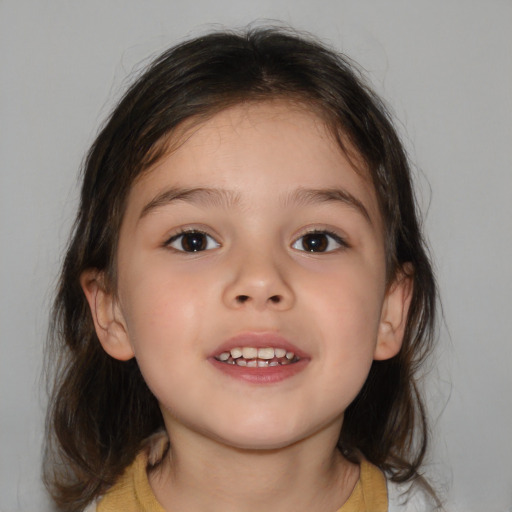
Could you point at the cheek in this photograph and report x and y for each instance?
(161, 316)
(349, 298)
(349, 350)
(158, 305)
(347, 310)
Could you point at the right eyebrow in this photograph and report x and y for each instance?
(307, 196)
(203, 196)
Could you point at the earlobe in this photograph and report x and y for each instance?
(107, 317)
(394, 315)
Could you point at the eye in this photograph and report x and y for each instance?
(192, 241)
(319, 241)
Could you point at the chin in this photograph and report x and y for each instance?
(260, 437)
(262, 443)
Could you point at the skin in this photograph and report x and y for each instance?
(241, 445)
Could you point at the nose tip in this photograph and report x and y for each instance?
(259, 283)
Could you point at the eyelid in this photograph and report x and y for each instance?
(336, 237)
(184, 231)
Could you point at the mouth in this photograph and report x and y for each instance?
(259, 358)
(254, 357)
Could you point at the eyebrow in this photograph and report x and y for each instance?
(307, 196)
(219, 197)
(216, 197)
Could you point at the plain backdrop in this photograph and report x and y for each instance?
(444, 66)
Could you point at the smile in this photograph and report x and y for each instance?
(253, 357)
(259, 358)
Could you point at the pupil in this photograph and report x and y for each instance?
(193, 242)
(315, 243)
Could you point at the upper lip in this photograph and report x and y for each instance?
(259, 340)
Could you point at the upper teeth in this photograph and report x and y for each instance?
(265, 353)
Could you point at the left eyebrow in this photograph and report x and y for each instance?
(307, 196)
(203, 196)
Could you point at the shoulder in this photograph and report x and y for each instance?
(410, 497)
(132, 491)
(378, 492)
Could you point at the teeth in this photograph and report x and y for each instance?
(249, 353)
(257, 357)
(236, 353)
(265, 353)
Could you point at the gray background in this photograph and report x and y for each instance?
(445, 66)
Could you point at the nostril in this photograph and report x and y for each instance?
(274, 299)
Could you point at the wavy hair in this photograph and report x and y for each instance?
(100, 408)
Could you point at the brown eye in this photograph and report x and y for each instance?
(192, 241)
(316, 242)
(319, 241)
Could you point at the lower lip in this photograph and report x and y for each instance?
(263, 375)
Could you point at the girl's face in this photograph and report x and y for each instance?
(255, 233)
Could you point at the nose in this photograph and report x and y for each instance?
(258, 281)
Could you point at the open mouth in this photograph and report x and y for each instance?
(253, 357)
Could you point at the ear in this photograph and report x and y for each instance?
(394, 315)
(106, 314)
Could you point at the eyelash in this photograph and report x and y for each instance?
(332, 238)
(181, 236)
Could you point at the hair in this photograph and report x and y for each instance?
(100, 408)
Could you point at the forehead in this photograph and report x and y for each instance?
(258, 150)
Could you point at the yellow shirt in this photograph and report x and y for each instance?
(132, 492)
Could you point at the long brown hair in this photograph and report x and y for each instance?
(100, 408)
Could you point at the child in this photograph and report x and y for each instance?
(246, 297)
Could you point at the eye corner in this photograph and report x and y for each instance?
(191, 241)
(320, 241)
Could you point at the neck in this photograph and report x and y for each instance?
(202, 474)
